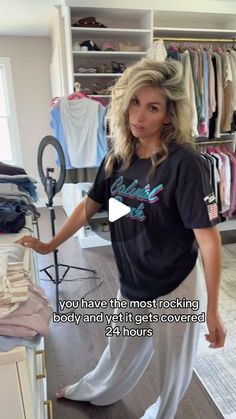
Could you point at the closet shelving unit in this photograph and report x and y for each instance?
(124, 27)
(203, 24)
(184, 27)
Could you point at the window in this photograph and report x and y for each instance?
(10, 150)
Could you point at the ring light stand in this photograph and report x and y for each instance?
(51, 187)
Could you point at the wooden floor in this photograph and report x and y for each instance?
(72, 351)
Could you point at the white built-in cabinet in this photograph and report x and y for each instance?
(129, 31)
(134, 27)
(23, 385)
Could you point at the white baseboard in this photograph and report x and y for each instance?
(57, 202)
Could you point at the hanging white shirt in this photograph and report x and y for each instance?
(80, 124)
(189, 87)
(157, 51)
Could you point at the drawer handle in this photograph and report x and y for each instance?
(49, 407)
(43, 374)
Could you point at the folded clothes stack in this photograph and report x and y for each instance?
(129, 47)
(31, 318)
(14, 281)
(25, 311)
(17, 196)
(15, 252)
(15, 204)
(18, 176)
(108, 46)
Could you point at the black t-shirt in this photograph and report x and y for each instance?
(154, 245)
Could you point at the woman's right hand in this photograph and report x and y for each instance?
(35, 244)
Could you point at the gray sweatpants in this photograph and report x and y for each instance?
(126, 357)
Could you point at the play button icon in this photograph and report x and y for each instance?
(117, 210)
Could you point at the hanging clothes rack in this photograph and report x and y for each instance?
(224, 40)
(212, 142)
(231, 223)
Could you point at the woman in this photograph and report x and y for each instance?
(152, 168)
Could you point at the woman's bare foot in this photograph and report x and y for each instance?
(61, 393)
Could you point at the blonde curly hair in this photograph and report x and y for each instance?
(169, 78)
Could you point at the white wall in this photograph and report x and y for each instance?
(60, 81)
(30, 61)
(207, 6)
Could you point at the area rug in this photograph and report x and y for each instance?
(217, 368)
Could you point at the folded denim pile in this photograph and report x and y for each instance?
(17, 196)
(9, 342)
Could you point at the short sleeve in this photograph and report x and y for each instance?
(100, 188)
(195, 199)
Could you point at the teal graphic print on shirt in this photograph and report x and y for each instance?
(133, 191)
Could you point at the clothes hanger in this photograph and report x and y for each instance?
(76, 95)
(55, 101)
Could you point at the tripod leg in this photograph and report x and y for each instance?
(47, 273)
(47, 267)
(56, 265)
(76, 267)
(84, 269)
(67, 269)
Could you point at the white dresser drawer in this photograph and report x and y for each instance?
(15, 385)
(9, 380)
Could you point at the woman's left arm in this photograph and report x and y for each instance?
(209, 242)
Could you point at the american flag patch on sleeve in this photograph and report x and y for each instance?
(212, 211)
(211, 206)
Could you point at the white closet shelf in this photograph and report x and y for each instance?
(97, 74)
(109, 31)
(106, 13)
(109, 53)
